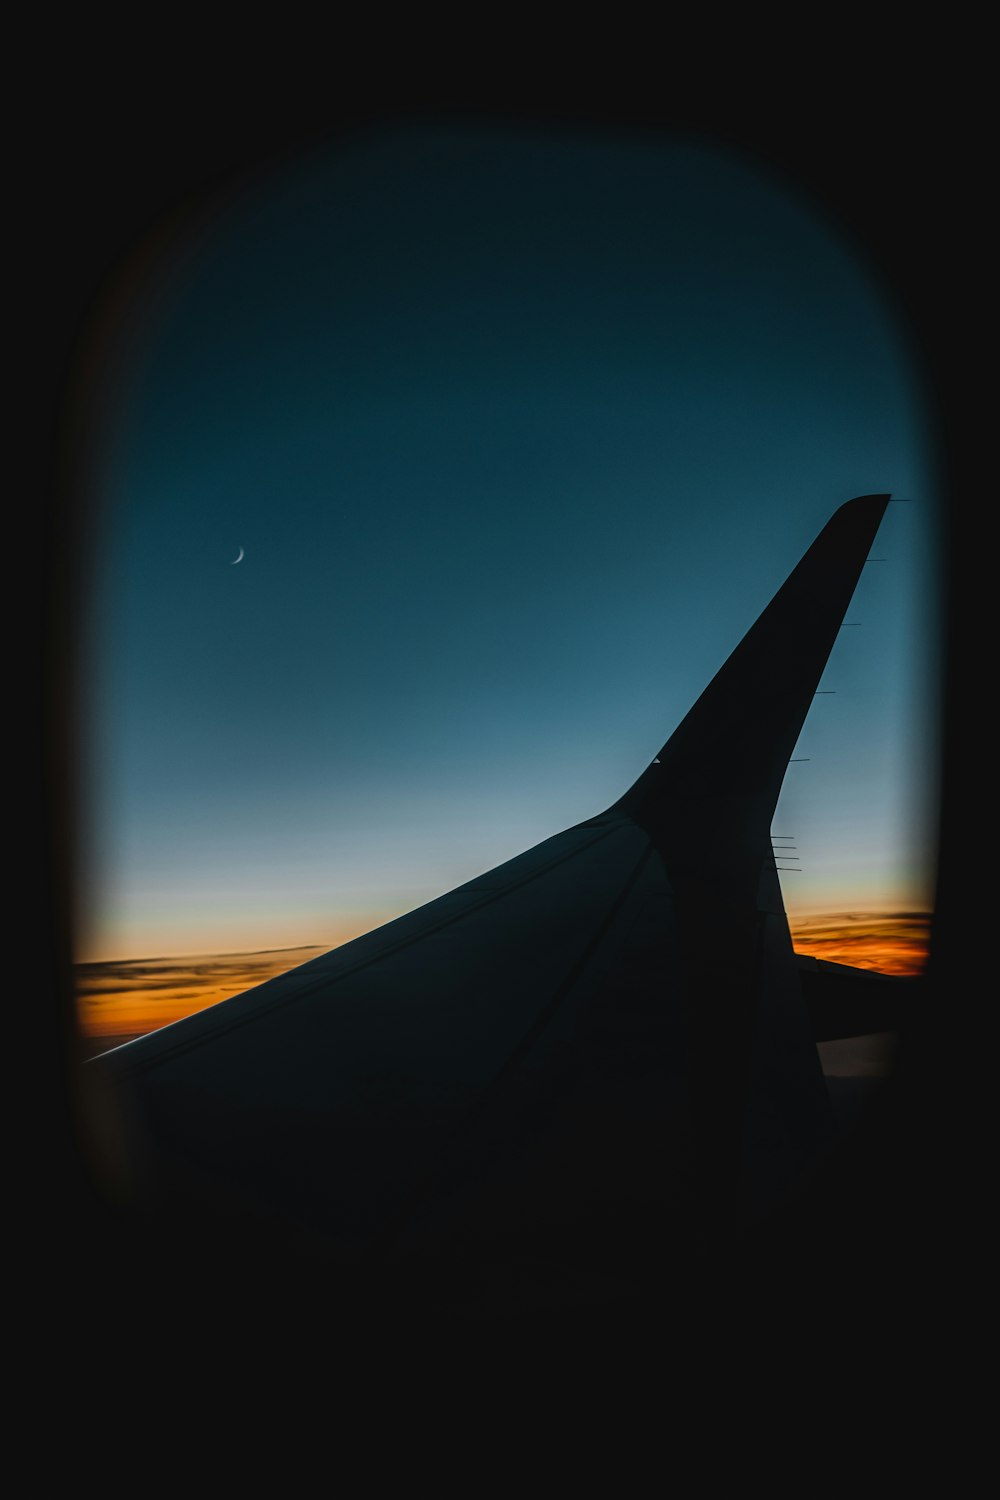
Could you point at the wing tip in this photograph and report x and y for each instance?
(862, 502)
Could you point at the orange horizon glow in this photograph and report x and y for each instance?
(889, 942)
(130, 997)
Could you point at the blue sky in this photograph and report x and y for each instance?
(519, 434)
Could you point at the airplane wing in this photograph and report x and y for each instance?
(843, 1001)
(605, 1036)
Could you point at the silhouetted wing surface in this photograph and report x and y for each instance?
(605, 1025)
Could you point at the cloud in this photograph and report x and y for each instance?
(894, 942)
(133, 996)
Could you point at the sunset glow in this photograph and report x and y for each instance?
(119, 1001)
(894, 942)
(123, 1000)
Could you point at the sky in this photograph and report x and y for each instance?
(518, 433)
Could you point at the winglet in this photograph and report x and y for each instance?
(726, 760)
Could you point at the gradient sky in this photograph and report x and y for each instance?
(519, 434)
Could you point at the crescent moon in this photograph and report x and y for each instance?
(237, 559)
